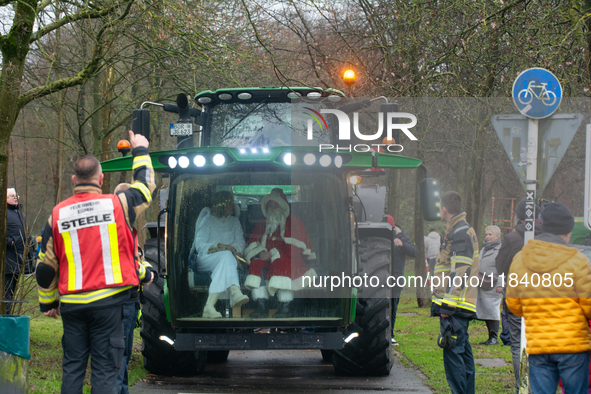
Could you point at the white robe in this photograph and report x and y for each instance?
(209, 232)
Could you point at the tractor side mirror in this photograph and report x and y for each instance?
(430, 199)
(140, 123)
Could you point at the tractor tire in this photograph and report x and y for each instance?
(217, 356)
(161, 358)
(370, 354)
(327, 355)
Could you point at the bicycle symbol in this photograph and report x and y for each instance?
(547, 97)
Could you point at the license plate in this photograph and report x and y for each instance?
(181, 129)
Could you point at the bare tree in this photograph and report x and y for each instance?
(15, 45)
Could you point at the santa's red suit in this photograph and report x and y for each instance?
(289, 244)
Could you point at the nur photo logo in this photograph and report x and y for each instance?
(389, 121)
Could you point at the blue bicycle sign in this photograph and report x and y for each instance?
(537, 93)
(540, 92)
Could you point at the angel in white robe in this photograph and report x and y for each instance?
(218, 240)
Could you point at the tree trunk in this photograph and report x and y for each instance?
(14, 47)
(586, 10)
(394, 193)
(423, 292)
(57, 176)
(473, 197)
(106, 146)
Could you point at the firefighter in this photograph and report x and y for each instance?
(454, 298)
(86, 268)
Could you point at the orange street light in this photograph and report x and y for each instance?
(349, 77)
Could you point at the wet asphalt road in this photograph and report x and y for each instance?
(277, 372)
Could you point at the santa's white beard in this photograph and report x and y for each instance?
(274, 218)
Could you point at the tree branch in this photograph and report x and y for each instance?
(69, 19)
(90, 68)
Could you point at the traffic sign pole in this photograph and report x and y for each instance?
(531, 179)
(587, 180)
(537, 95)
(530, 225)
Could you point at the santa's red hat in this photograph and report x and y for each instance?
(279, 197)
(391, 220)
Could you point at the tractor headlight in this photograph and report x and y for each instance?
(172, 162)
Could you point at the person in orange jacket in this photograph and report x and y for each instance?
(549, 285)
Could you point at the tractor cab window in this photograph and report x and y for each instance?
(241, 125)
(254, 246)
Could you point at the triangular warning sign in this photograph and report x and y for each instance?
(554, 136)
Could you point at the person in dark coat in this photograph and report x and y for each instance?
(403, 247)
(15, 244)
(512, 244)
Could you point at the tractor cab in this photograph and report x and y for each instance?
(316, 198)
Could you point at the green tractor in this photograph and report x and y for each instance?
(251, 141)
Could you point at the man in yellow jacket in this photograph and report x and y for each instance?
(549, 285)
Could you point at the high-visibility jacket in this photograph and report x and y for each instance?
(456, 270)
(50, 272)
(94, 244)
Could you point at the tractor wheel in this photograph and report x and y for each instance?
(160, 357)
(327, 355)
(369, 354)
(217, 356)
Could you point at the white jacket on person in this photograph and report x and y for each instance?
(432, 245)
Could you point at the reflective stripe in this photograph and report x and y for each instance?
(41, 256)
(140, 161)
(115, 262)
(72, 249)
(91, 296)
(465, 226)
(448, 302)
(106, 247)
(462, 260)
(145, 191)
(476, 254)
(436, 300)
(450, 299)
(148, 175)
(48, 296)
(442, 269)
(142, 271)
(467, 305)
(463, 294)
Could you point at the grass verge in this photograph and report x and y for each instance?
(45, 365)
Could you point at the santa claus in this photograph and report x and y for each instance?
(276, 251)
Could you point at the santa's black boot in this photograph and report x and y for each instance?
(260, 310)
(284, 297)
(260, 295)
(283, 311)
